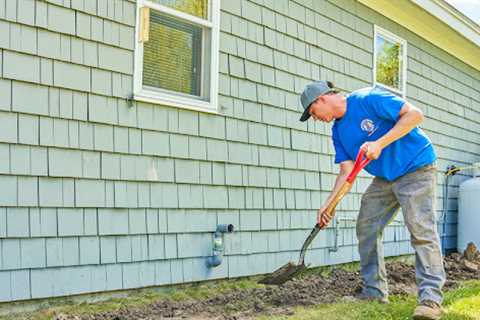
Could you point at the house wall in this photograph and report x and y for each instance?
(99, 194)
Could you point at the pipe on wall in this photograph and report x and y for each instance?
(216, 259)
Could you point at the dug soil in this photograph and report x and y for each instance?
(307, 290)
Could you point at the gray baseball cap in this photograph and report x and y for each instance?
(311, 92)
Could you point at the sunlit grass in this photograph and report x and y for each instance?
(136, 299)
(460, 304)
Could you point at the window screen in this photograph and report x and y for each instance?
(173, 55)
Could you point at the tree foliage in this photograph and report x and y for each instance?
(196, 8)
(388, 64)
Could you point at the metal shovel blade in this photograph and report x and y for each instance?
(283, 274)
(290, 270)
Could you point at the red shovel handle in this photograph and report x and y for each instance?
(360, 163)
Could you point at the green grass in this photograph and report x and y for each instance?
(460, 304)
(135, 298)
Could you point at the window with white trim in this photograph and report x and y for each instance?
(390, 61)
(176, 53)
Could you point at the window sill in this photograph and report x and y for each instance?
(393, 90)
(175, 101)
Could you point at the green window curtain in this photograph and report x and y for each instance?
(389, 63)
(172, 56)
(198, 8)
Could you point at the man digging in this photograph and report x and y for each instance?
(385, 126)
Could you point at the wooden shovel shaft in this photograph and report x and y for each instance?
(289, 270)
(330, 211)
(360, 162)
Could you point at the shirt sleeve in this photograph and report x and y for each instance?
(340, 153)
(385, 104)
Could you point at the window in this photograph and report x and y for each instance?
(390, 57)
(176, 53)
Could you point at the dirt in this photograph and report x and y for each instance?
(307, 290)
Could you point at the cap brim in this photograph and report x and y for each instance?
(306, 115)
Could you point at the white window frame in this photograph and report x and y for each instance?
(178, 100)
(378, 31)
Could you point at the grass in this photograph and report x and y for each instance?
(462, 303)
(136, 298)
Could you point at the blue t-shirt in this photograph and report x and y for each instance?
(371, 113)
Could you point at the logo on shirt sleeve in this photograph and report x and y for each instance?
(368, 126)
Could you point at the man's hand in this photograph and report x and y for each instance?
(345, 168)
(322, 219)
(372, 149)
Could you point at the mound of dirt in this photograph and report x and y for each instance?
(308, 290)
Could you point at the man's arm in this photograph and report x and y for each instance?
(410, 117)
(345, 168)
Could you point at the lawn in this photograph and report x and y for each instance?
(460, 304)
(234, 296)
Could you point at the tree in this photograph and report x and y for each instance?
(388, 63)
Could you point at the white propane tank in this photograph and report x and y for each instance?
(469, 212)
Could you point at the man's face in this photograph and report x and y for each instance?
(322, 108)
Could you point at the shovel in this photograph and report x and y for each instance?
(290, 270)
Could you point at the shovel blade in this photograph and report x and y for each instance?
(283, 274)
